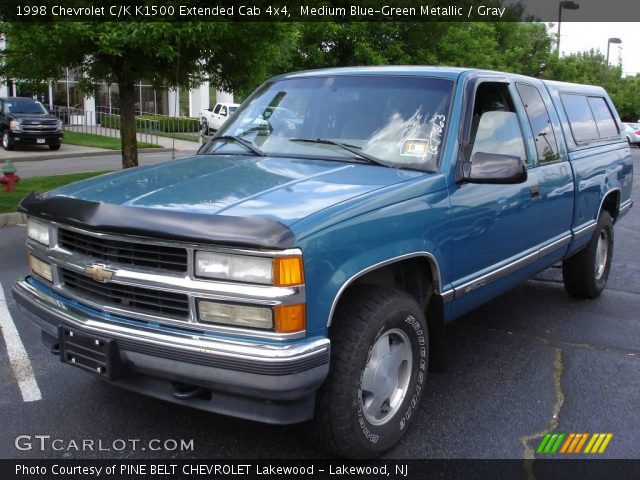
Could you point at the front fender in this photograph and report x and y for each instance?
(336, 256)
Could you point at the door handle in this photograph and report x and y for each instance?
(534, 192)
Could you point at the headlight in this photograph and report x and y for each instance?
(15, 125)
(235, 315)
(279, 271)
(59, 125)
(234, 267)
(38, 230)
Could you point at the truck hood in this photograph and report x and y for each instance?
(36, 117)
(281, 189)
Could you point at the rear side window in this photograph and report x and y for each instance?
(589, 117)
(583, 125)
(546, 144)
(604, 120)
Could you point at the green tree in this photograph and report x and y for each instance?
(179, 54)
(591, 68)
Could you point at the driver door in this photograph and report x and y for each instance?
(493, 224)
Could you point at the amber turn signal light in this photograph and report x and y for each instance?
(290, 318)
(287, 271)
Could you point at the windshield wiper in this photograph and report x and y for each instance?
(350, 148)
(245, 143)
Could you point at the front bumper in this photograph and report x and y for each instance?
(266, 382)
(31, 138)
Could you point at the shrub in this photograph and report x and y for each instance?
(159, 122)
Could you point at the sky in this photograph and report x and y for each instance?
(582, 36)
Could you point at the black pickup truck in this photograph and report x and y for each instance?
(25, 121)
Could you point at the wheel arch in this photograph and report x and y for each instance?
(611, 203)
(418, 274)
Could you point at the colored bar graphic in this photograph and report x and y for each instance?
(553, 443)
(594, 437)
(581, 443)
(606, 441)
(543, 443)
(567, 443)
(555, 447)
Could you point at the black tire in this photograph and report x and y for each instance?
(54, 147)
(585, 273)
(369, 314)
(7, 141)
(205, 126)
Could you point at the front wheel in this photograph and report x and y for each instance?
(204, 127)
(7, 142)
(379, 358)
(585, 273)
(55, 146)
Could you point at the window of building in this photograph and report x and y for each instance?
(183, 102)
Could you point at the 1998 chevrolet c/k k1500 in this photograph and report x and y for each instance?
(302, 265)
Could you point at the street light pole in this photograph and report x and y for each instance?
(569, 5)
(609, 42)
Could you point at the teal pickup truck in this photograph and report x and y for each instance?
(302, 266)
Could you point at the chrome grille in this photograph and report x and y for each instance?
(45, 126)
(143, 300)
(123, 252)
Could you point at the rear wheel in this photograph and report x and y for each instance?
(379, 357)
(585, 273)
(204, 126)
(7, 142)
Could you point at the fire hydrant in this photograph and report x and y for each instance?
(9, 177)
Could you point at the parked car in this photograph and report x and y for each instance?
(305, 274)
(632, 133)
(24, 121)
(212, 119)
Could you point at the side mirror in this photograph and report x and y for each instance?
(494, 168)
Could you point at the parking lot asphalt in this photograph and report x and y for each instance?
(531, 361)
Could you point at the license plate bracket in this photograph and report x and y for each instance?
(90, 352)
(40, 140)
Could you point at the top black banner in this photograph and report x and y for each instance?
(318, 11)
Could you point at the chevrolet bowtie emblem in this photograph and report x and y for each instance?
(99, 272)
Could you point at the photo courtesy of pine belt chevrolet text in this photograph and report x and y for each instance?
(301, 267)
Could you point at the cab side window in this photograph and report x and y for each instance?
(494, 126)
(223, 111)
(217, 109)
(546, 144)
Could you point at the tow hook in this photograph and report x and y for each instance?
(183, 391)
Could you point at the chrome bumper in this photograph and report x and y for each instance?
(245, 380)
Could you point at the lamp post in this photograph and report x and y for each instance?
(569, 5)
(611, 40)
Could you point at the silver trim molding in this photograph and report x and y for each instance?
(435, 271)
(501, 272)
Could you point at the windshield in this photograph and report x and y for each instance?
(400, 121)
(17, 106)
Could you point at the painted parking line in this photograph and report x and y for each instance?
(18, 358)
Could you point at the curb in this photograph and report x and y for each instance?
(9, 219)
(87, 154)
